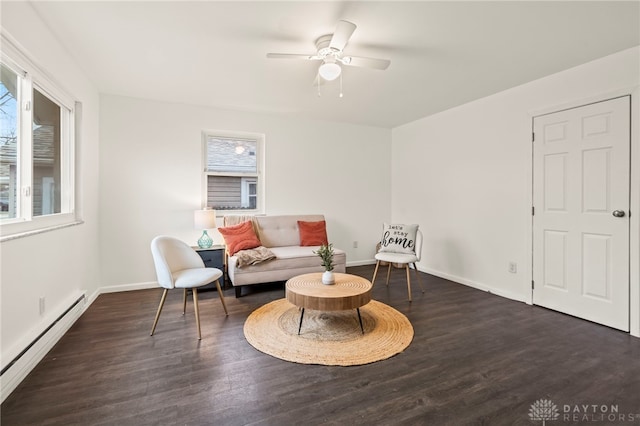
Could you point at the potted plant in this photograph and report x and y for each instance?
(326, 254)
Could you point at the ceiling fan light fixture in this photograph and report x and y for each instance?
(329, 71)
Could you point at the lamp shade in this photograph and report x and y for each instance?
(329, 71)
(204, 219)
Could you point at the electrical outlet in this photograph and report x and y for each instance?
(355, 244)
(42, 305)
(513, 267)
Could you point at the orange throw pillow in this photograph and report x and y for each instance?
(239, 237)
(313, 233)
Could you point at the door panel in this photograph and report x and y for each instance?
(596, 257)
(596, 171)
(581, 175)
(555, 182)
(555, 254)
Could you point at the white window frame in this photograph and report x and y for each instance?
(260, 187)
(33, 77)
(246, 193)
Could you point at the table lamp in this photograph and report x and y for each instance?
(205, 219)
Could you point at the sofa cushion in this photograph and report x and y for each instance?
(282, 231)
(289, 262)
(239, 237)
(313, 233)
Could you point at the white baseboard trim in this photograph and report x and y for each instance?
(362, 262)
(38, 346)
(474, 284)
(92, 299)
(128, 287)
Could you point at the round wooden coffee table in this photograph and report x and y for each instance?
(349, 292)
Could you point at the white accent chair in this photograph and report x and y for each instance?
(401, 258)
(179, 266)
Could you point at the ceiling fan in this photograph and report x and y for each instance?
(330, 52)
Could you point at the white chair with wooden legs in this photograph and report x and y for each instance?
(179, 266)
(402, 258)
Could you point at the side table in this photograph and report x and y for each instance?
(213, 257)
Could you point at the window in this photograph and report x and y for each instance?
(8, 142)
(233, 178)
(36, 148)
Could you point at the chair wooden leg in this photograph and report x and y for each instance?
(389, 273)
(195, 306)
(375, 272)
(155, 322)
(224, 305)
(418, 277)
(406, 266)
(184, 301)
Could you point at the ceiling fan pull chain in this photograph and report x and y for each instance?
(340, 85)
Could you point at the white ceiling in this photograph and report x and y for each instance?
(442, 54)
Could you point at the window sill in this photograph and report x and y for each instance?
(39, 231)
(247, 212)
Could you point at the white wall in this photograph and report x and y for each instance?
(150, 161)
(465, 176)
(57, 265)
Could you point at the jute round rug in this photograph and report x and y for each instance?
(328, 338)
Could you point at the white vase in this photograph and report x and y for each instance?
(328, 278)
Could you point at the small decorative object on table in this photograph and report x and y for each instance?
(205, 219)
(326, 254)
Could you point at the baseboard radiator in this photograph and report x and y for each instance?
(21, 365)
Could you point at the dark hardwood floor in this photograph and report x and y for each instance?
(476, 359)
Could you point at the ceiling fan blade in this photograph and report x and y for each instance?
(292, 56)
(343, 33)
(357, 61)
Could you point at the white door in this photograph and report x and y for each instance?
(581, 189)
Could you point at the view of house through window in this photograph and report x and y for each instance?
(46, 155)
(232, 171)
(36, 148)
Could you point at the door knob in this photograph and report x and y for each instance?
(618, 213)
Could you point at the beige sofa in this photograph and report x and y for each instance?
(280, 234)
